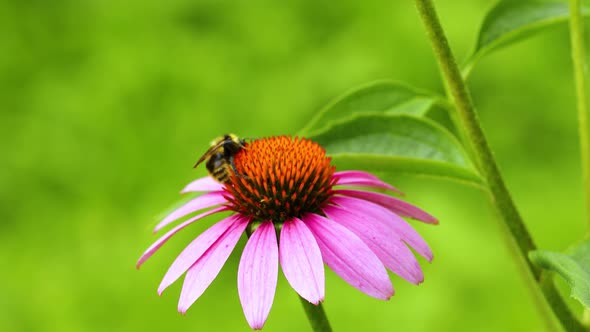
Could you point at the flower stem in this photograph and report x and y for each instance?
(485, 160)
(316, 316)
(580, 66)
(470, 124)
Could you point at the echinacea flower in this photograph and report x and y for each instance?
(287, 185)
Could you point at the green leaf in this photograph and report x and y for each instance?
(382, 97)
(509, 21)
(574, 268)
(397, 143)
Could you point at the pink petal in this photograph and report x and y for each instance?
(382, 240)
(395, 205)
(377, 213)
(257, 274)
(350, 257)
(207, 267)
(203, 184)
(355, 174)
(156, 245)
(301, 261)
(195, 250)
(201, 202)
(359, 178)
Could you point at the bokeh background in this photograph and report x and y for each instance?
(105, 106)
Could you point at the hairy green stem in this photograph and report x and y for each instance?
(485, 160)
(470, 124)
(581, 78)
(316, 316)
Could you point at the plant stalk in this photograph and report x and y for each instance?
(316, 316)
(581, 79)
(500, 196)
(474, 133)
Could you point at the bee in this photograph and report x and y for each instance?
(220, 157)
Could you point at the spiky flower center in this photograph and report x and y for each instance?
(280, 178)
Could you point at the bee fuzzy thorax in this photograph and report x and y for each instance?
(220, 157)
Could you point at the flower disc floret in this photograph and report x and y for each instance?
(280, 178)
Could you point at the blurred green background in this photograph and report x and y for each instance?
(106, 105)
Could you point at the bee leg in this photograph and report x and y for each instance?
(233, 167)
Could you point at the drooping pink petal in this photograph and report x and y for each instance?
(196, 204)
(202, 273)
(377, 213)
(395, 205)
(156, 245)
(382, 240)
(365, 179)
(257, 274)
(203, 184)
(301, 261)
(195, 250)
(350, 257)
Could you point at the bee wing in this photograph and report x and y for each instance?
(209, 152)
